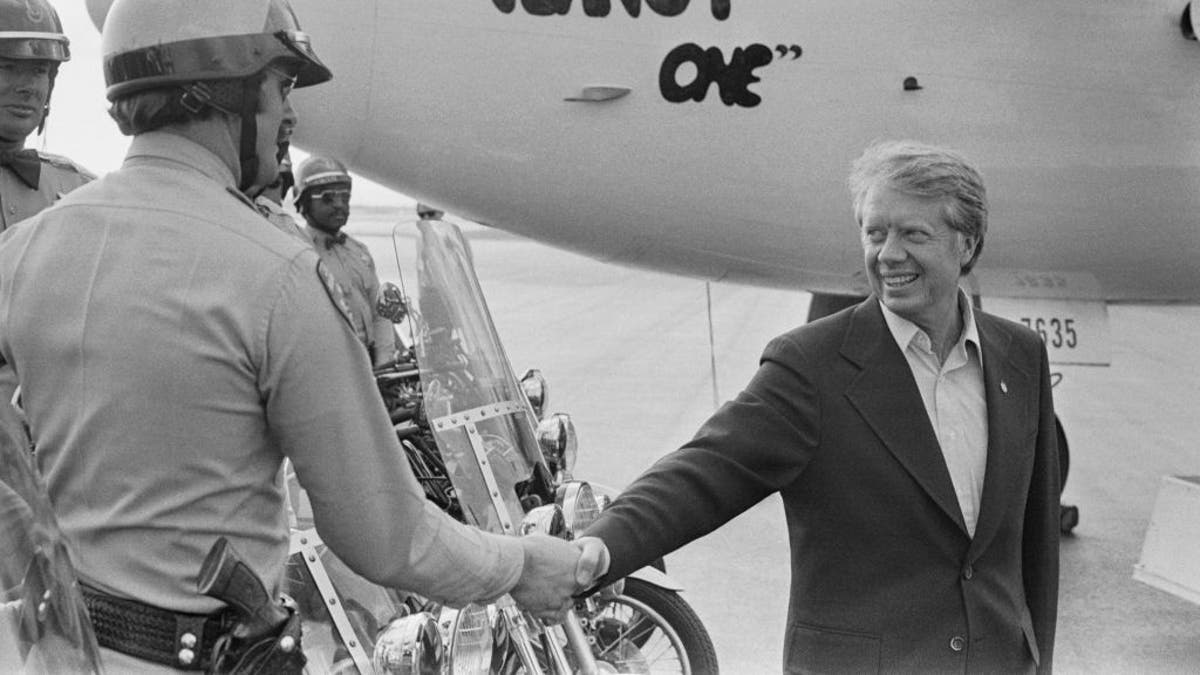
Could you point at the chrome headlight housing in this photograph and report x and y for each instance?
(533, 384)
(579, 505)
(391, 303)
(545, 519)
(559, 444)
(409, 645)
(468, 631)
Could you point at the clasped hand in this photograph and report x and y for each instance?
(555, 570)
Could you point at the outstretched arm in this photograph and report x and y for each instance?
(750, 448)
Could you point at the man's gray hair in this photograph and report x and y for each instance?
(928, 172)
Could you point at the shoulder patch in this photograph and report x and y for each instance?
(337, 295)
(65, 163)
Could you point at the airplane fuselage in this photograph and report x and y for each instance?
(713, 138)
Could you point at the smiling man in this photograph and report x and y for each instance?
(32, 45)
(912, 440)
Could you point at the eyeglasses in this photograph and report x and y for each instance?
(330, 196)
(286, 81)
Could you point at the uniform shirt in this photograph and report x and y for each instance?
(954, 397)
(281, 219)
(19, 201)
(351, 264)
(173, 348)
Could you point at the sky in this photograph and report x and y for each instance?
(80, 128)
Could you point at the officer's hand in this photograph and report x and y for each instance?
(549, 578)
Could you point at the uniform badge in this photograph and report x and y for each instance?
(337, 295)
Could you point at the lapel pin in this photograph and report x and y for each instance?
(1003, 386)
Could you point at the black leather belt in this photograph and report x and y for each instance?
(175, 639)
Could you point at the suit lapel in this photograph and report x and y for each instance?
(886, 395)
(1009, 391)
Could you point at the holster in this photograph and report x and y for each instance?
(280, 653)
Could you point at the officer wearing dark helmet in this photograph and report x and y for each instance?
(192, 347)
(32, 45)
(323, 197)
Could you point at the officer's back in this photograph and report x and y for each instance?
(174, 347)
(199, 256)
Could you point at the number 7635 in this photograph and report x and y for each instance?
(1054, 331)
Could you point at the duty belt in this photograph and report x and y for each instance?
(183, 641)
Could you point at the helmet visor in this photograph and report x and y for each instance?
(312, 71)
(216, 58)
(34, 45)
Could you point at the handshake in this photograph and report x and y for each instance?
(555, 570)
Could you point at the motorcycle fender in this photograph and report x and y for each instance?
(651, 575)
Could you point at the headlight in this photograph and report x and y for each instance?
(533, 384)
(545, 519)
(579, 505)
(391, 304)
(556, 437)
(469, 632)
(409, 646)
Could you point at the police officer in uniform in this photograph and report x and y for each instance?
(32, 45)
(192, 348)
(323, 198)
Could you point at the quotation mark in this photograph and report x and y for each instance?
(794, 50)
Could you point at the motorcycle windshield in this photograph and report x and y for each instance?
(484, 425)
(44, 627)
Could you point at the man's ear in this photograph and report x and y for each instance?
(969, 244)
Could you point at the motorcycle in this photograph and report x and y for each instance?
(44, 626)
(485, 451)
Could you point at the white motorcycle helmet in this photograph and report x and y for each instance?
(216, 52)
(31, 30)
(317, 171)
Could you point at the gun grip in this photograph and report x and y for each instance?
(211, 569)
(225, 576)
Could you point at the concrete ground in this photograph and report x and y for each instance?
(627, 354)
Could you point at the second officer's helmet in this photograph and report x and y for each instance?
(208, 55)
(316, 172)
(154, 43)
(30, 29)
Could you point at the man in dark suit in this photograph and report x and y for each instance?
(912, 439)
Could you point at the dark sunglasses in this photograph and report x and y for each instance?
(330, 196)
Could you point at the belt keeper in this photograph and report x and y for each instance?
(187, 642)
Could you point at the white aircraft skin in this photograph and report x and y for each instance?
(1083, 115)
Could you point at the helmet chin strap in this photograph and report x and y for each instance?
(46, 105)
(248, 150)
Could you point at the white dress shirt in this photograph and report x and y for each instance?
(953, 394)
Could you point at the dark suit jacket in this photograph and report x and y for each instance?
(885, 577)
